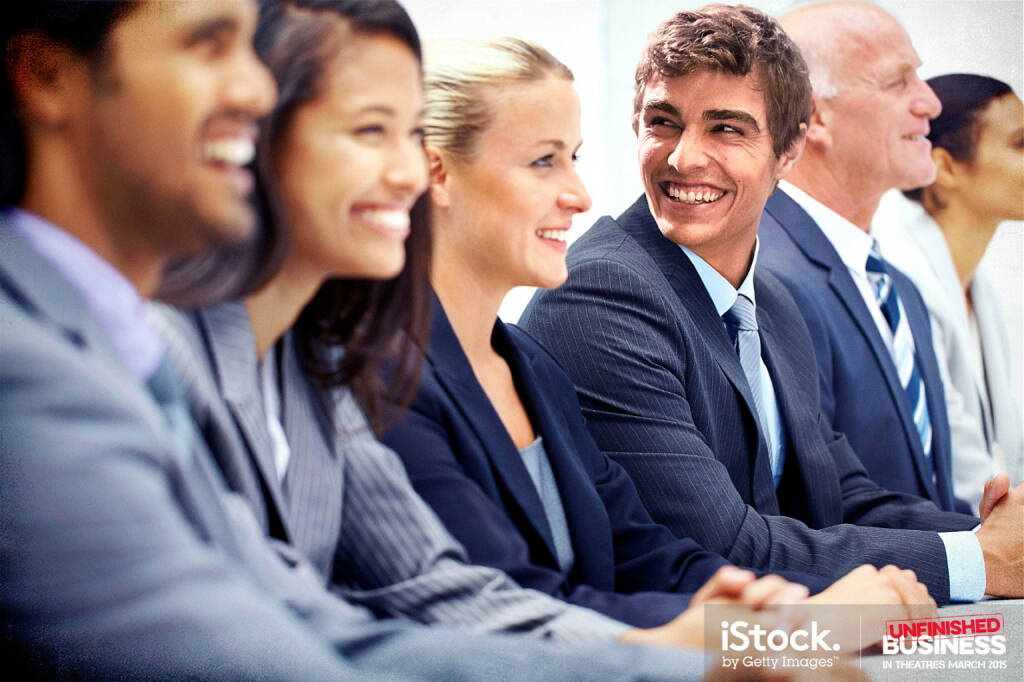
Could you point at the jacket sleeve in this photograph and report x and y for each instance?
(400, 559)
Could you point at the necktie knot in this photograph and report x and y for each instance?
(741, 315)
(874, 262)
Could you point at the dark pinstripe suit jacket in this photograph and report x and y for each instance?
(346, 502)
(853, 361)
(665, 396)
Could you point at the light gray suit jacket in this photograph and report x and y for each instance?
(346, 502)
(984, 416)
(123, 555)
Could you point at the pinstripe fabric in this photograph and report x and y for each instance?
(664, 395)
(380, 545)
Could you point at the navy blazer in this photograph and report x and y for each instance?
(861, 392)
(463, 463)
(665, 396)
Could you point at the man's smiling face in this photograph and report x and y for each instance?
(706, 159)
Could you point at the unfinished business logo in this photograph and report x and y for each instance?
(980, 635)
(958, 635)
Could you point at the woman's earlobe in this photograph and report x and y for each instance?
(438, 176)
(945, 167)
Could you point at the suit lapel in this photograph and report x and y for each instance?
(233, 351)
(314, 482)
(809, 238)
(42, 288)
(578, 495)
(45, 291)
(697, 304)
(818, 477)
(920, 329)
(455, 375)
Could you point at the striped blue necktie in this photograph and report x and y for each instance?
(902, 350)
(741, 324)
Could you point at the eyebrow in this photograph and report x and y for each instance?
(661, 105)
(210, 28)
(376, 109)
(384, 109)
(709, 115)
(731, 115)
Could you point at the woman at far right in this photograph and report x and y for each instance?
(978, 149)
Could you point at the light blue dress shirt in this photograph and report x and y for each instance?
(111, 298)
(723, 296)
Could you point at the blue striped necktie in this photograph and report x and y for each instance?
(902, 350)
(741, 322)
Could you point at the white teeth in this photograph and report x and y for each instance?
(557, 235)
(694, 197)
(237, 151)
(389, 217)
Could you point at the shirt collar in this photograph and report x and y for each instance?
(851, 243)
(110, 297)
(722, 293)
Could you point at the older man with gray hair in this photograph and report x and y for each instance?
(880, 383)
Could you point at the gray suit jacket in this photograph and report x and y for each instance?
(123, 556)
(346, 501)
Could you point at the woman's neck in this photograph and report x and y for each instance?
(967, 236)
(469, 302)
(274, 308)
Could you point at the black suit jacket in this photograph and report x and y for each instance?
(463, 463)
(665, 396)
(853, 361)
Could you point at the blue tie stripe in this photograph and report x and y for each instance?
(903, 350)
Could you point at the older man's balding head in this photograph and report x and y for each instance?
(871, 110)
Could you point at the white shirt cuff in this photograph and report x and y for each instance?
(966, 565)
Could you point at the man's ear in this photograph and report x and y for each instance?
(819, 131)
(789, 158)
(47, 79)
(437, 166)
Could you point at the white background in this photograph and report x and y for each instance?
(600, 40)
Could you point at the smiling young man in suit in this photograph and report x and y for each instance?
(880, 382)
(695, 369)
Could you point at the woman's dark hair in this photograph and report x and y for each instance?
(369, 320)
(964, 97)
(83, 27)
